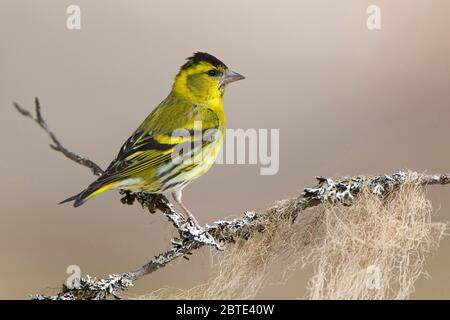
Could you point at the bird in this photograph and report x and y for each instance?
(177, 142)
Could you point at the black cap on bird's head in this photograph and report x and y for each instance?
(226, 74)
(203, 57)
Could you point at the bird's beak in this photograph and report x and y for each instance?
(231, 76)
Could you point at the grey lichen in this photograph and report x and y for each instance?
(345, 190)
(92, 289)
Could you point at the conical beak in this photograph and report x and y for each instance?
(231, 76)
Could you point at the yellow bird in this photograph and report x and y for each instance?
(178, 141)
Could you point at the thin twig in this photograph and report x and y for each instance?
(57, 146)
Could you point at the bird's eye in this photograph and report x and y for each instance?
(213, 73)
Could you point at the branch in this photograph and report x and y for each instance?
(220, 232)
(57, 146)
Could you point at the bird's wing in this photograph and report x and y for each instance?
(148, 148)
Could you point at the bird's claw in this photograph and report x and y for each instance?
(194, 223)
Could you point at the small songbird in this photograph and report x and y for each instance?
(180, 139)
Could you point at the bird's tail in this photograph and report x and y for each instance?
(94, 189)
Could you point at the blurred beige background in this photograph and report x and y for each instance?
(346, 100)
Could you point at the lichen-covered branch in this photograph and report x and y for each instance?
(220, 232)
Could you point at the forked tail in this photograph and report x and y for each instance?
(94, 189)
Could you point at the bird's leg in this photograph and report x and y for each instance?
(189, 214)
(186, 213)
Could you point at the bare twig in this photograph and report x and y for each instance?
(57, 146)
(220, 232)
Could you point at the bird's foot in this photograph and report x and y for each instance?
(193, 222)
